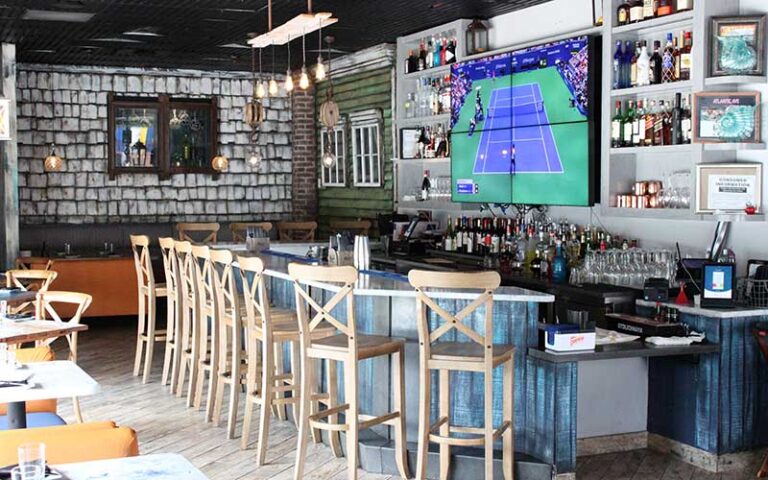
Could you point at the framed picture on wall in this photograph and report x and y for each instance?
(737, 46)
(409, 142)
(726, 117)
(597, 13)
(729, 187)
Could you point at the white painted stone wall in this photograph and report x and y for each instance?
(76, 121)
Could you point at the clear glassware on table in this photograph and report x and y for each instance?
(32, 456)
(27, 472)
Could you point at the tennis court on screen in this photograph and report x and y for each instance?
(516, 116)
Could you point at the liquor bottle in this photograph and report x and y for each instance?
(684, 5)
(536, 265)
(650, 122)
(618, 60)
(658, 124)
(629, 52)
(628, 124)
(655, 64)
(677, 121)
(633, 65)
(425, 186)
(665, 8)
(559, 265)
(436, 52)
(469, 240)
(666, 125)
(622, 13)
(686, 58)
(448, 236)
(643, 67)
(676, 57)
(617, 134)
(668, 62)
(638, 125)
(443, 50)
(422, 56)
(407, 63)
(649, 9)
(430, 56)
(685, 123)
(636, 11)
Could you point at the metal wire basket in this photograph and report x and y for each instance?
(753, 292)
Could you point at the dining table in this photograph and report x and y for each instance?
(156, 466)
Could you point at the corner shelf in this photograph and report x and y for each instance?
(735, 80)
(439, 205)
(654, 213)
(674, 21)
(429, 72)
(662, 149)
(734, 217)
(724, 147)
(425, 120)
(422, 160)
(653, 89)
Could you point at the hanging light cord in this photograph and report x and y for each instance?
(303, 49)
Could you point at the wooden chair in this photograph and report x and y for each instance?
(296, 231)
(357, 227)
(174, 312)
(190, 300)
(232, 358)
(478, 355)
(207, 330)
(268, 329)
(760, 331)
(149, 292)
(348, 347)
(28, 280)
(239, 230)
(208, 231)
(46, 308)
(34, 263)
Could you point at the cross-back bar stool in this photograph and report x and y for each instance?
(240, 230)
(149, 292)
(347, 347)
(34, 263)
(46, 308)
(232, 358)
(478, 355)
(207, 232)
(28, 280)
(357, 227)
(296, 231)
(190, 300)
(175, 308)
(268, 329)
(207, 330)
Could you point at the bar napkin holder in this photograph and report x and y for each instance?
(338, 253)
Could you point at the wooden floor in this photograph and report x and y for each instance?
(164, 424)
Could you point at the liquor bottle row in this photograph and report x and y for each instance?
(432, 97)
(636, 65)
(654, 123)
(432, 52)
(434, 142)
(634, 11)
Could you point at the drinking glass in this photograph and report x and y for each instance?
(27, 472)
(32, 455)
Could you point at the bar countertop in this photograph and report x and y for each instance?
(376, 283)
(624, 350)
(735, 312)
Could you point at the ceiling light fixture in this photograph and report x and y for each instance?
(273, 89)
(304, 79)
(302, 23)
(144, 32)
(55, 16)
(288, 75)
(234, 45)
(261, 89)
(53, 162)
(320, 68)
(115, 40)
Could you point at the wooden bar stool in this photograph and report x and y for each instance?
(207, 330)
(149, 292)
(46, 304)
(232, 358)
(350, 348)
(174, 310)
(29, 281)
(296, 231)
(478, 355)
(34, 263)
(357, 227)
(189, 342)
(267, 330)
(207, 231)
(239, 230)
(760, 331)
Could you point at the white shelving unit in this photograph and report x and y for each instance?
(621, 167)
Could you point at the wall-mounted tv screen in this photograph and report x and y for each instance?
(522, 128)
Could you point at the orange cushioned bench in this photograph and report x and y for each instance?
(72, 443)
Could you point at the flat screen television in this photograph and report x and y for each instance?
(523, 125)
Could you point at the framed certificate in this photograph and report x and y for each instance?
(409, 142)
(729, 187)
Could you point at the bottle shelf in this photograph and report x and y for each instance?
(661, 149)
(422, 160)
(429, 72)
(439, 205)
(426, 120)
(672, 87)
(723, 147)
(735, 217)
(660, 213)
(669, 22)
(734, 80)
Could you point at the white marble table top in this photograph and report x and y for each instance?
(384, 284)
(159, 466)
(57, 379)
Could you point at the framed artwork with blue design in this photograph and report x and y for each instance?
(737, 45)
(726, 117)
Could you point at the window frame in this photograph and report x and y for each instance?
(370, 162)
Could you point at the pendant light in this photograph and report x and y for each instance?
(273, 89)
(320, 68)
(329, 158)
(53, 162)
(288, 77)
(254, 159)
(261, 89)
(304, 79)
(220, 163)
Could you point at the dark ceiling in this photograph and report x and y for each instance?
(190, 33)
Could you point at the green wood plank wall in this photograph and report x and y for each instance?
(356, 92)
